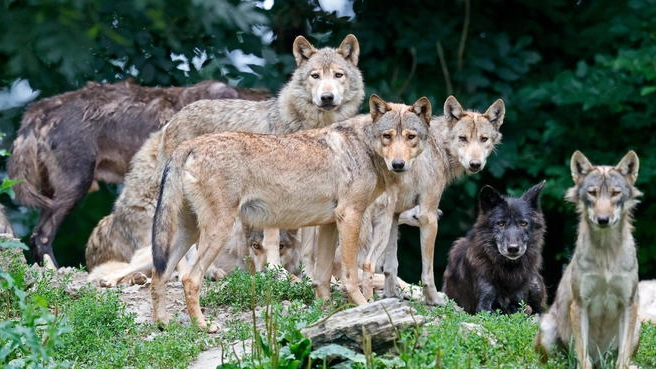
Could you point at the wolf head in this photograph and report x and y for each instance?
(400, 131)
(290, 250)
(331, 75)
(473, 136)
(516, 224)
(604, 194)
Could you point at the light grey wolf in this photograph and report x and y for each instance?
(647, 308)
(326, 87)
(243, 251)
(69, 141)
(323, 177)
(496, 266)
(460, 141)
(596, 303)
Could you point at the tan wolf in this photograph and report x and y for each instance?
(323, 177)
(459, 142)
(596, 303)
(326, 87)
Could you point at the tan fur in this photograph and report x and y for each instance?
(596, 302)
(459, 142)
(337, 172)
(326, 87)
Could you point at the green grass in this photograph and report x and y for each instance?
(46, 327)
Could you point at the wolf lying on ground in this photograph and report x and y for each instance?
(69, 141)
(497, 265)
(337, 172)
(596, 303)
(459, 142)
(326, 87)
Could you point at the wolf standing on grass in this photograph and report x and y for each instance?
(596, 304)
(497, 265)
(326, 87)
(336, 172)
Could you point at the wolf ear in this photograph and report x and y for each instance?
(532, 195)
(629, 166)
(495, 113)
(580, 166)
(452, 110)
(350, 49)
(423, 109)
(377, 107)
(302, 50)
(489, 198)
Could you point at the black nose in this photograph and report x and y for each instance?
(327, 97)
(603, 220)
(513, 249)
(475, 165)
(398, 164)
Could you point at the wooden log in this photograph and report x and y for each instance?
(379, 322)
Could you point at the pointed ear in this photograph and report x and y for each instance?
(580, 166)
(629, 166)
(350, 49)
(489, 198)
(377, 107)
(532, 195)
(302, 50)
(495, 113)
(423, 109)
(452, 109)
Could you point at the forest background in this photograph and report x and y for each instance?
(574, 75)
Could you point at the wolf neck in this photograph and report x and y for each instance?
(613, 238)
(295, 113)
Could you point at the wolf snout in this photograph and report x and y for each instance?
(327, 98)
(513, 249)
(398, 165)
(603, 221)
(475, 165)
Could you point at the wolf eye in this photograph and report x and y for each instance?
(615, 193)
(501, 223)
(256, 245)
(387, 136)
(314, 75)
(339, 75)
(411, 136)
(462, 138)
(484, 139)
(523, 223)
(592, 192)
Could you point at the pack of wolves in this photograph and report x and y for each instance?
(236, 179)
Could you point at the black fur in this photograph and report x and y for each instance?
(160, 256)
(478, 277)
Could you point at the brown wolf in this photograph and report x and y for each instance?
(324, 177)
(326, 87)
(68, 142)
(459, 142)
(243, 251)
(596, 303)
(496, 266)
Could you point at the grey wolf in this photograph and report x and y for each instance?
(6, 230)
(647, 308)
(496, 266)
(69, 141)
(459, 142)
(326, 87)
(323, 177)
(244, 252)
(596, 303)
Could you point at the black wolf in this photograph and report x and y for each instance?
(497, 265)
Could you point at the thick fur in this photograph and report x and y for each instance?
(324, 177)
(6, 229)
(244, 252)
(596, 303)
(497, 265)
(326, 87)
(68, 142)
(460, 141)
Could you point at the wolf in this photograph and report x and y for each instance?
(243, 252)
(459, 142)
(497, 265)
(323, 177)
(326, 87)
(596, 302)
(68, 142)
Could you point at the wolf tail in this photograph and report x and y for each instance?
(23, 164)
(165, 222)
